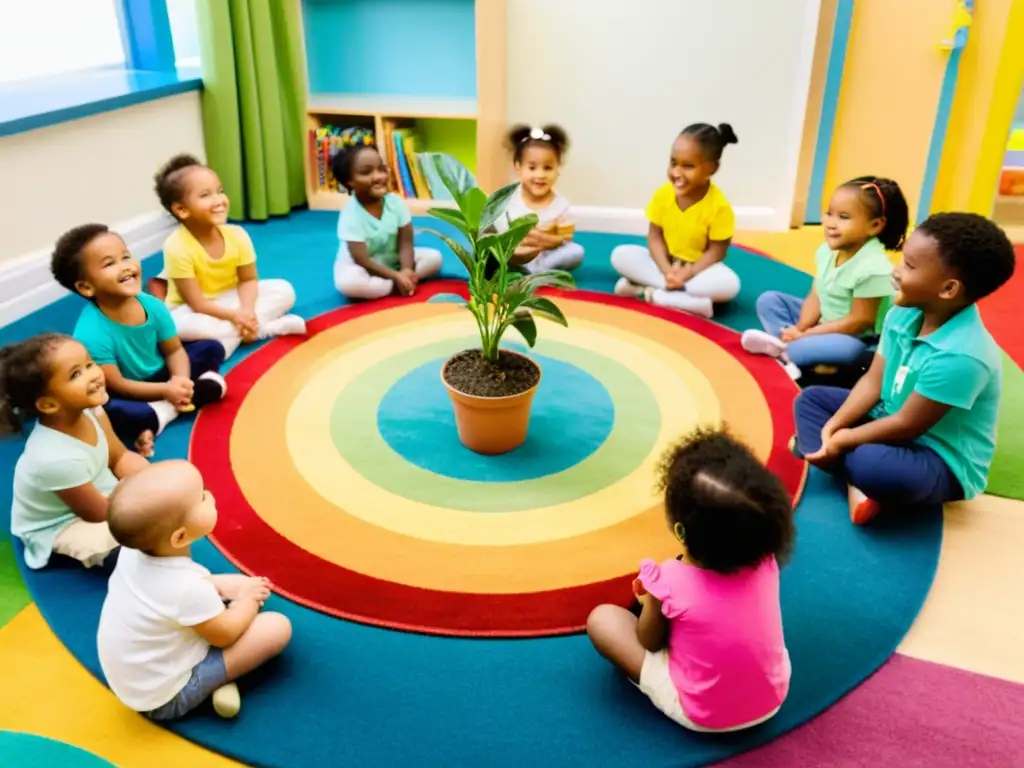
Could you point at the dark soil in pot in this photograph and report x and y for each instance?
(470, 374)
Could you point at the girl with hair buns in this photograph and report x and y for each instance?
(691, 224)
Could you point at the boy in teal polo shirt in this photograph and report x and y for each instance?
(920, 427)
(150, 374)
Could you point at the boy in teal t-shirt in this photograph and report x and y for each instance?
(150, 374)
(920, 427)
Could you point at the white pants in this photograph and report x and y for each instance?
(656, 683)
(275, 299)
(354, 282)
(567, 256)
(718, 282)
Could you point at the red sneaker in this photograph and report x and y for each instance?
(864, 512)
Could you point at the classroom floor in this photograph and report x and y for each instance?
(971, 623)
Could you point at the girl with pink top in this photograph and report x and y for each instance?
(708, 648)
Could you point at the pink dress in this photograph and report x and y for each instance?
(727, 656)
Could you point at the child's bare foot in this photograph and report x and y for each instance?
(144, 444)
(227, 701)
(862, 509)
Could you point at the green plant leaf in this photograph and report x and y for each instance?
(472, 206)
(546, 308)
(496, 205)
(454, 217)
(451, 171)
(550, 278)
(510, 239)
(527, 328)
(457, 248)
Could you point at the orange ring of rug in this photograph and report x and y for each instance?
(339, 590)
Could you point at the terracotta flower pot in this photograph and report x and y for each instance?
(492, 425)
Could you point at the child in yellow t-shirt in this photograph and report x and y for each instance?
(691, 226)
(213, 289)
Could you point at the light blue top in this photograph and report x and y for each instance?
(357, 225)
(867, 275)
(958, 364)
(134, 349)
(53, 461)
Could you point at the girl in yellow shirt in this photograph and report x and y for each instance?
(691, 226)
(213, 289)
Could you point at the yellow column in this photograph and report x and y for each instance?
(991, 75)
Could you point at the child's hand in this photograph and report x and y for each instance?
(257, 588)
(178, 392)
(833, 445)
(246, 322)
(677, 276)
(406, 285)
(411, 274)
(638, 589)
(790, 333)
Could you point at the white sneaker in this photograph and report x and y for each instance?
(791, 370)
(761, 343)
(227, 701)
(289, 325)
(628, 290)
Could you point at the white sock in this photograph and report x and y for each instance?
(165, 413)
(762, 343)
(289, 325)
(683, 301)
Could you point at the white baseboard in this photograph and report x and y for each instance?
(631, 221)
(26, 283)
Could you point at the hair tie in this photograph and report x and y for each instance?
(878, 191)
(536, 134)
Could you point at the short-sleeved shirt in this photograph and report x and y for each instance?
(958, 364)
(357, 225)
(146, 641)
(727, 654)
(134, 349)
(557, 210)
(687, 233)
(53, 461)
(185, 257)
(868, 275)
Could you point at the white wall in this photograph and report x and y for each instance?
(624, 78)
(98, 168)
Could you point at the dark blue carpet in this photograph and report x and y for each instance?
(348, 694)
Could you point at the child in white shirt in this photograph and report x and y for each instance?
(171, 634)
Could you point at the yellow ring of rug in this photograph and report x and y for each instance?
(338, 537)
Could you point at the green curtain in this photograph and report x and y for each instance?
(254, 102)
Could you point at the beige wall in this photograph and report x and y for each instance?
(98, 168)
(624, 78)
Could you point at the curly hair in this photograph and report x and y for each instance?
(884, 199)
(522, 136)
(733, 511)
(712, 140)
(170, 179)
(66, 260)
(976, 248)
(345, 158)
(24, 376)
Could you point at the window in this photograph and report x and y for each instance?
(182, 14)
(52, 37)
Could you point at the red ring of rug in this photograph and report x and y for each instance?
(256, 548)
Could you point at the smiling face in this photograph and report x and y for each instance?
(688, 170)
(108, 269)
(202, 200)
(76, 382)
(368, 174)
(923, 279)
(848, 221)
(537, 169)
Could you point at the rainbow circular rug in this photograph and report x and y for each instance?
(400, 526)
(437, 596)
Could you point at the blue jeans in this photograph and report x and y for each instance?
(207, 676)
(908, 474)
(130, 418)
(777, 310)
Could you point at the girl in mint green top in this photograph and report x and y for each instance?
(72, 460)
(852, 290)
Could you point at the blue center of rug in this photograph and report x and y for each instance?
(572, 416)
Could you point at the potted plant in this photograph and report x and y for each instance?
(492, 388)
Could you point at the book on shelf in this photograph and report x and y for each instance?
(409, 175)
